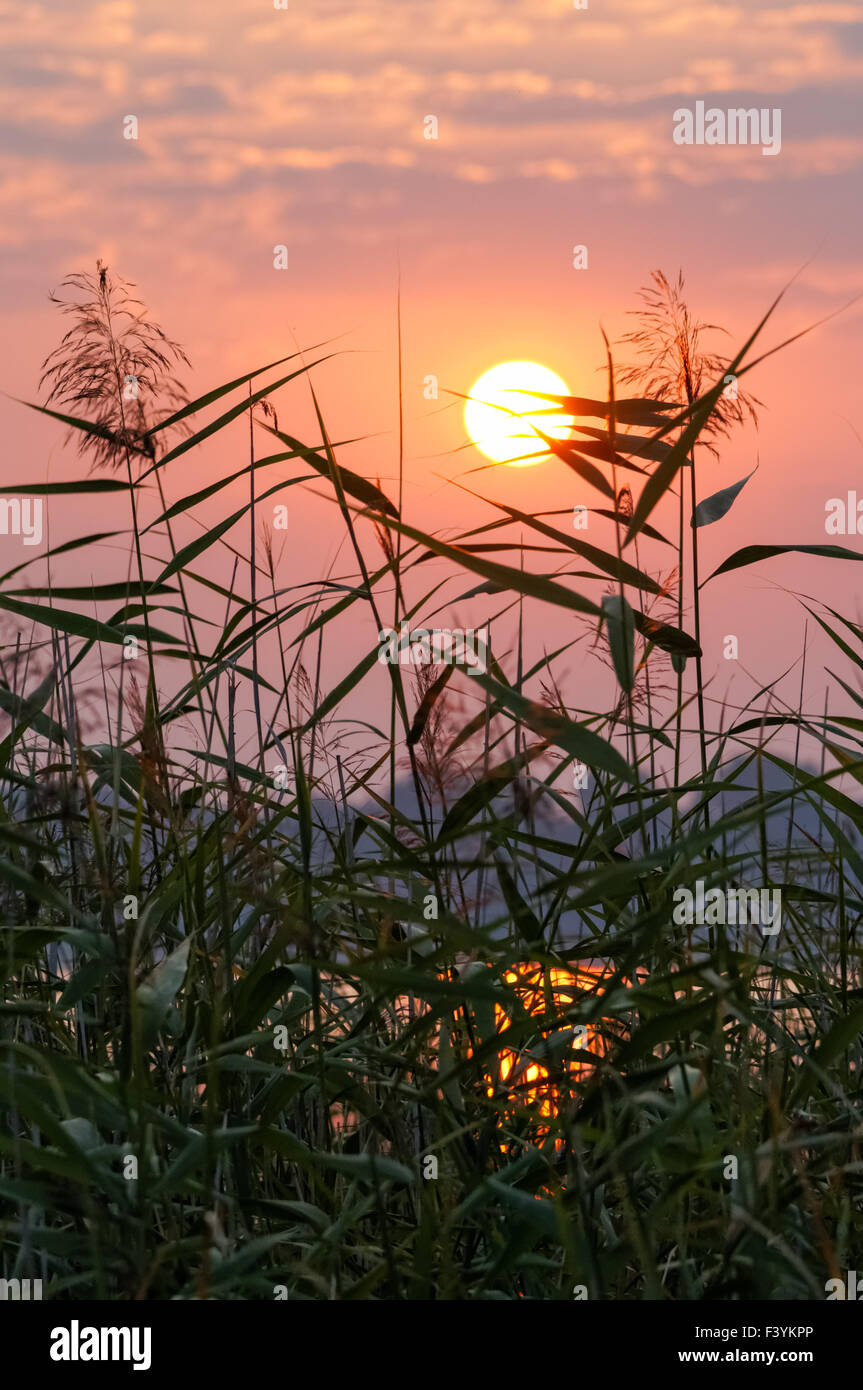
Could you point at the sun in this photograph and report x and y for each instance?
(505, 437)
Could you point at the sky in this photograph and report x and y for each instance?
(306, 127)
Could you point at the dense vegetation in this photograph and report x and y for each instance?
(290, 1012)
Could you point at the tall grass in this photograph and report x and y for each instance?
(412, 1020)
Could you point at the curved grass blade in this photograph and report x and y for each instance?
(505, 576)
(78, 486)
(96, 592)
(586, 470)
(215, 425)
(75, 544)
(637, 445)
(620, 627)
(602, 559)
(574, 738)
(63, 620)
(634, 410)
(192, 500)
(716, 506)
(751, 554)
(670, 639)
(484, 791)
(357, 486)
(86, 427)
(597, 449)
(210, 396)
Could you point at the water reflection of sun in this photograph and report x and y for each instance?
(545, 993)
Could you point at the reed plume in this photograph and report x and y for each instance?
(115, 365)
(673, 361)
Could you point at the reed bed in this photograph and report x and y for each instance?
(286, 1015)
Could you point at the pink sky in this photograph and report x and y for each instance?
(304, 127)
